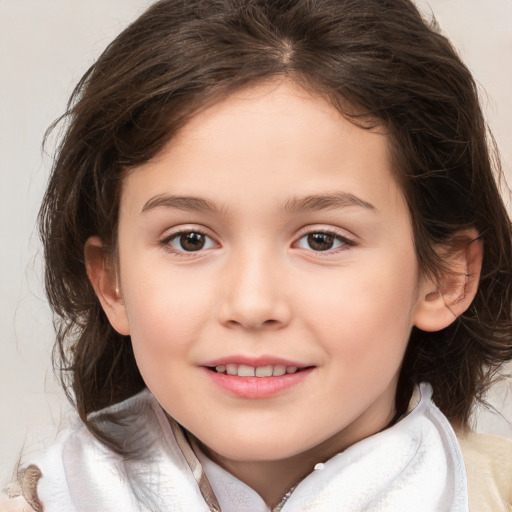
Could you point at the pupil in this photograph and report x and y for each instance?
(192, 241)
(320, 241)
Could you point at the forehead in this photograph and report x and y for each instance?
(275, 139)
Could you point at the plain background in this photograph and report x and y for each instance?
(45, 47)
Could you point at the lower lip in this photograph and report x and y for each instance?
(257, 387)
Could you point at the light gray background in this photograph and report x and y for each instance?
(45, 47)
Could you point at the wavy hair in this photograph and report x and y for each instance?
(378, 62)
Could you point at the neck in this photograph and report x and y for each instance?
(272, 479)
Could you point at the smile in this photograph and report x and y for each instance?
(243, 370)
(256, 378)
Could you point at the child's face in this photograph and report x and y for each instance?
(296, 249)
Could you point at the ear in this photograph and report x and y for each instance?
(442, 301)
(103, 277)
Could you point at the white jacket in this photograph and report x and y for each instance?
(416, 464)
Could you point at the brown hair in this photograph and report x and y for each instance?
(379, 57)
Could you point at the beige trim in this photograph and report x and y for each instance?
(488, 460)
(195, 466)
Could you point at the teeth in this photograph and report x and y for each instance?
(263, 371)
(243, 370)
(246, 371)
(232, 369)
(279, 369)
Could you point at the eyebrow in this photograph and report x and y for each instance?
(294, 205)
(331, 201)
(179, 203)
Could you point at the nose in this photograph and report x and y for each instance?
(254, 295)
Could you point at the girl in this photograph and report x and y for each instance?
(281, 268)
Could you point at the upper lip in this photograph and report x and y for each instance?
(255, 362)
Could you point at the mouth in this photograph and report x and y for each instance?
(243, 370)
(256, 377)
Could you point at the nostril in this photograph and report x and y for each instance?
(248, 324)
(271, 323)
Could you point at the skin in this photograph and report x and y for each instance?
(258, 287)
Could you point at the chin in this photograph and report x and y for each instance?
(256, 450)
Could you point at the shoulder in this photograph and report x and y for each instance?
(42, 473)
(488, 461)
(75, 467)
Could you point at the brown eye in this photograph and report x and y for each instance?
(189, 241)
(320, 241)
(192, 241)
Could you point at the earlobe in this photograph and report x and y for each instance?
(103, 278)
(441, 302)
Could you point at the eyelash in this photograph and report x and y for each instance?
(166, 242)
(344, 241)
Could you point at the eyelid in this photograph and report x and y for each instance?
(348, 240)
(328, 229)
(165, 240)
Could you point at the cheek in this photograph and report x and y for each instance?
(365, 315)
(166, 313)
